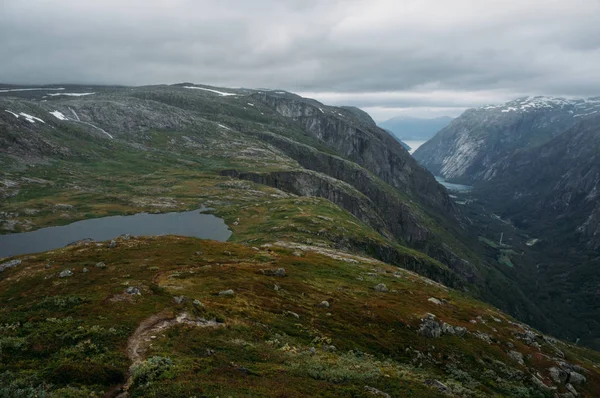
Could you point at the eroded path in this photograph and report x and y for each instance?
(147, 331)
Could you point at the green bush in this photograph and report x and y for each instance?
(152, 369)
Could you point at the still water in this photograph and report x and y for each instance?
(189, 223)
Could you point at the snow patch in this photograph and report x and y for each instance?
(30, 118)
(12, 113)
(69, 94)
(321, 110)
(223, 127)
(28, 89)
(251, 104)
(221, 93)
(59, 115)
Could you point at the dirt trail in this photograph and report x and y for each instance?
(140, 340)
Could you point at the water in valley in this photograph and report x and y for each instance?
(189, 223)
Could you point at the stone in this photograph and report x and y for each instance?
(517, 356)
(290, 313)
(126, 237)
(279, 272)
(460, 331)
(276, 287)
(381, 288)
(374, 391)
(572, 389)
(228, 292)
(541, 386)
(9, 264)
(133, 291)
(100, 265)
(85, 270)
(577, 378)
(180, 299)
(112, 244)
(437, 384)
(312, 350)
(558, 375)
(434, 301)
(65, 273)
(448, 329)
(430, 327)
(329, 348)
(324, 304)
(198, 303)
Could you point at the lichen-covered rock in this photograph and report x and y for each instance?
(65, 273)
(9, 264)
(381, 288)
(430, 327)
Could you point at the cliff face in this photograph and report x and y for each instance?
(476, 144)
(362, 142)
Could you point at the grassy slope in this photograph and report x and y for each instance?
(60, 332)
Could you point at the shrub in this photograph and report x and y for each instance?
(152, 369)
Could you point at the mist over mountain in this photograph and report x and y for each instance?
(413, 128)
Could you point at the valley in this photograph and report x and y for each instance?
(349, 269)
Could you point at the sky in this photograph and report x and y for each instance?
(423, 58)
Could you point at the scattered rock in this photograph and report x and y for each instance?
(112, 244)
(558, 375)
(434, 301)
(100, 265)
(484, 336)
(374, 391)
(126, 237)
(577, 378)
(279, 272)
(133, 291)
(228, 292)
(430, 327)
(381, 288)
(517, 356)
(9, 264)
(290, 313)
(324, 304)
(180, 299)
(541, 386)
(65, 273)
(437, 384)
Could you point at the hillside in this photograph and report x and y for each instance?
(172, 316)
(320, 191)
(472, 148)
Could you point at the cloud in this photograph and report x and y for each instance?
(388, 56)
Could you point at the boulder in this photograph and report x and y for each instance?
(434, 301)
(381, 288)
(558, 375)
(430, 327)
(65, 273)
(577, 378)
(100, 265)
(374, 391)
(324, 304)
(9, 264)
(517, 356)
(133, 291)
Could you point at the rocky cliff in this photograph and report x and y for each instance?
(472, 148)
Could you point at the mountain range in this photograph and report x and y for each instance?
(349, 272)
(534, 163)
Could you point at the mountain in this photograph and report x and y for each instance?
(349, 271)
(474, 145)
(551, 193)
(417, 129)
(534, 164)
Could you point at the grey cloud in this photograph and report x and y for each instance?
(465, 51)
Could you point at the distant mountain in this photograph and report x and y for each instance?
(412, 128)
(473, 146)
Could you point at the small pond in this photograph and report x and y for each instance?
(189, 223)
(453, 187)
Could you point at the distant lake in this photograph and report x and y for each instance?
(413, 145)
(189, 223)
(453, 187)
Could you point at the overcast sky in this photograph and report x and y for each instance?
(390, 57)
